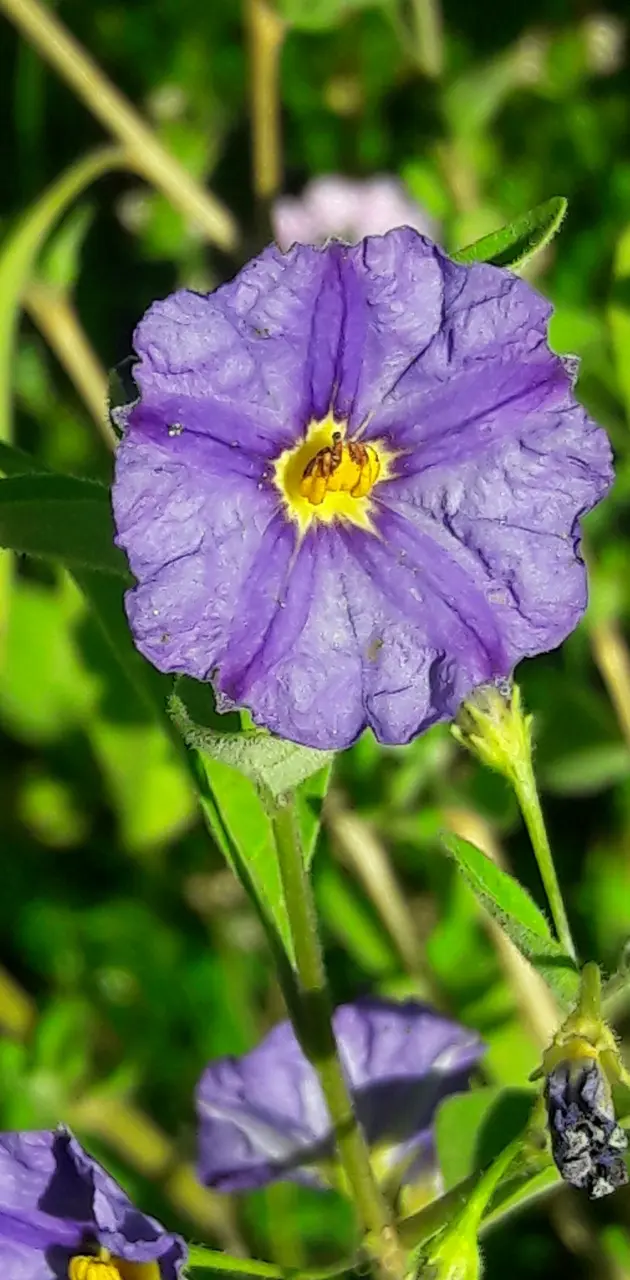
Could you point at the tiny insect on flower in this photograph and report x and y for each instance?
(352, 468)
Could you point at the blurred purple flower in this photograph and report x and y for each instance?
(347, 208)
(58, 1206)
(351, 487)
(263, 1117)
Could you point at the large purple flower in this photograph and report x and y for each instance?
(351, 487)
(61, 1215)
(263, 1116)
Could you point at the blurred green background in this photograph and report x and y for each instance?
(129, 954)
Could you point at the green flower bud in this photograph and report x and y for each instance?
(492, 724)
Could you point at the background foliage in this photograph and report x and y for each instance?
(130, 955)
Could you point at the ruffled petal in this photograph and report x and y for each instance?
(56, 1202)
(512, 515)
(193, 559)
(253, 361)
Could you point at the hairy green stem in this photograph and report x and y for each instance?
(211, 1260)
(311, 1012)
(526, 791)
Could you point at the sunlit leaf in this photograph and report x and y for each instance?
(272, 764)
(514, 245)
(519, 917)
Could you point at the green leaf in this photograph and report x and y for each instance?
(21, 248)
(273, 765)
(60, 518)
(322, 15)
(509, 904)
(239, 820)
(512, 246)
(60, 261)
(14, 462)
(471, 1129)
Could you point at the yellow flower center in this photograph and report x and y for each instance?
(326, 477)
(104, 1266)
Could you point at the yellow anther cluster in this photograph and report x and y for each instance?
(327, 477)
(340, 468)
(85, 1267)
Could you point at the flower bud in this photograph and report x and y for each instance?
(492, 724)
(587, 1144)
(580, 1066)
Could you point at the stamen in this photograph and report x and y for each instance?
(85, 1267)
(340, 468)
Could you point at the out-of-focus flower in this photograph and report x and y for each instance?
(351, 487)
(579, 1067)
(605, 37)
(348, 209)
(62, 1215)
(263, 1117)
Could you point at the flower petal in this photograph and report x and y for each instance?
(56, 1201)
(253, 361)
(515, 510)
(408, 628)
(192, 561)
(263, 1116)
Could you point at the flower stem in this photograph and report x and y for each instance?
(610, 652)
(524, 783)
(312, 1017)
(106, 102)
(212, 1260)
(265, 33)
(428, 36)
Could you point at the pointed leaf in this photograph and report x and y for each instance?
(272, 764)
(60, 518)
(239, 820)
(512, 246)
(15, 462)
(509, 904)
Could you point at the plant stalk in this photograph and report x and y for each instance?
(59, 47)
(312, 1016)
(526, 791)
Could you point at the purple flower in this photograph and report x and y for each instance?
(349, 208)
(263, 1117)
(351, 487)
(61, 1215)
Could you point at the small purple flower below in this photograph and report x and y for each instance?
(351, 487)
(62, 1217)
(262, 1117)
